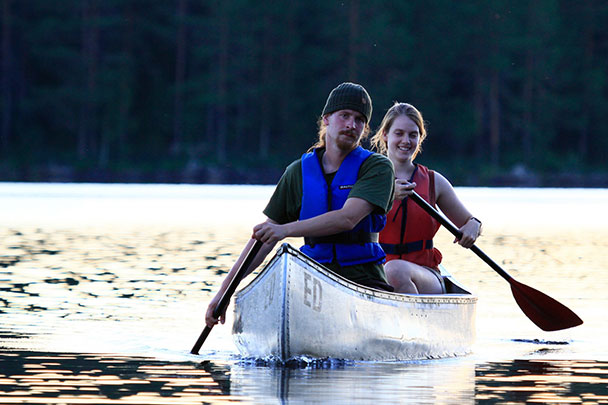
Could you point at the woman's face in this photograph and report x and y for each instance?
(402, 139)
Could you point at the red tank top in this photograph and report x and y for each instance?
(409, 230)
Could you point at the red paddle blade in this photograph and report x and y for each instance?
(544, 311)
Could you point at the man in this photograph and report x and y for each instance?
(335, 196)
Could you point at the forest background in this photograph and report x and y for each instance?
(192, 91)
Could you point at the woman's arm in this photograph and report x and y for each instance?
(454, 209)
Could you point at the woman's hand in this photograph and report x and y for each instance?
(403, 188)
(470, 232)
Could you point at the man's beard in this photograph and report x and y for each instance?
(347, 143)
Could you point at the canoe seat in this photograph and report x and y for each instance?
(451, 287)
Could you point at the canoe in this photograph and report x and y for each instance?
(296, 307)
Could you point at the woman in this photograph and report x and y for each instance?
(411, 260)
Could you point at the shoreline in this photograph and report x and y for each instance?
(270, 176)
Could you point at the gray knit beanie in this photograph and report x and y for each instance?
(349, 96)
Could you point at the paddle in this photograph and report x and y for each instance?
(225, 300)
(547, 313)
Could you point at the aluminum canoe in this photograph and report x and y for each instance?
(297, 307)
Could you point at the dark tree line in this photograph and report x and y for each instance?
(193, 88)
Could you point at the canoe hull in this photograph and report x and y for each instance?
(296, 307)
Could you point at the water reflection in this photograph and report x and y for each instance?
(542, 382)
(61, 378)
(444, 381)
(42, 377)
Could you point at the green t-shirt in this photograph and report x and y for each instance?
(374, 185)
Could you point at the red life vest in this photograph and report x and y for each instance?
(409, 230)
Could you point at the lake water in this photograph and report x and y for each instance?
(103, 290)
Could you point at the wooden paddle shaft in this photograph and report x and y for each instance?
(225, 300)
(456, 232)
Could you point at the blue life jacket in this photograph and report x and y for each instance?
(360, 245)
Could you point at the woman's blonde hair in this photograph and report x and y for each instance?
(395, 111)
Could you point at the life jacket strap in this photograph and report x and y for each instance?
(344, 238)
(404, 248)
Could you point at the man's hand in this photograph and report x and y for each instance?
(209, 319)
(269, 232)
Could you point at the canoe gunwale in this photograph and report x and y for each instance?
(451, 298)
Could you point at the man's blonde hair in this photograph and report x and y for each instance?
(323, 130)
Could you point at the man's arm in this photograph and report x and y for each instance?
(259, 258)
(376, 183)
(329, 223)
